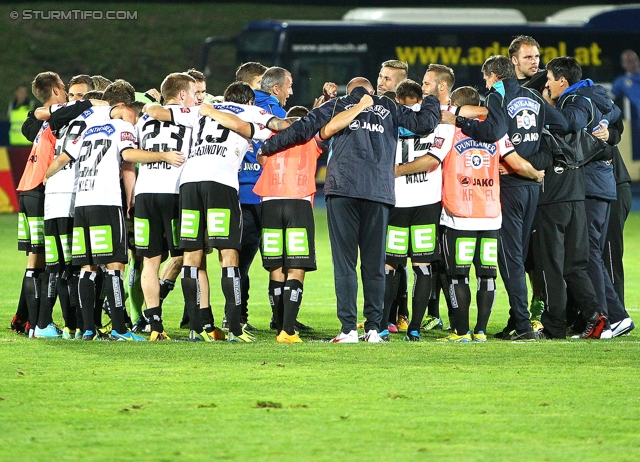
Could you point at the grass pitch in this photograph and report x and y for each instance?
(166, 401)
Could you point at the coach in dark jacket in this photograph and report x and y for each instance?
(359, 188)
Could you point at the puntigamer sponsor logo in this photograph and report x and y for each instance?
(522, 104)
(228, 107)
(108, 129)
(469, 143)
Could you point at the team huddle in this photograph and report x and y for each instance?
(526, 183)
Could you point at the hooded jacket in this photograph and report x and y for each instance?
(250, 169)
(584, 105)
(362, 155)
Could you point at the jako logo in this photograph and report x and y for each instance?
(373, 127)
(354, 125)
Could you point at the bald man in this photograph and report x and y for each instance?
(359, 189)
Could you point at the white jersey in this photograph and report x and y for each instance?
(157, 136)
(60, 190)
(422, 188)
(217, 152)
(98, 154)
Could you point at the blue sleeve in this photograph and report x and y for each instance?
(494, 127)
(577, 111)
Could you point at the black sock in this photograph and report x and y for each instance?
(99, 298)
(391, 279)
(485, 297)
(191, 292)
(460, 301)
(87, 297)
(206, 319)
(115, 295)
(22, 312)
(31, 289)
(402, 307)
(166, 286)
(230, 282)
(421, 294)
(291, 299)
(437, 275)
(275, 300)
(47, 294)
(154, 316)
(68, 309)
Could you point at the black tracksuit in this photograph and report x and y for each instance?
(360, 189)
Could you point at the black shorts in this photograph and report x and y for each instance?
(209, 209)
(156, 224)
(413, 232)
(461, 248)
(288, 235)
(99, 235)
(58, 233)
(31, 221)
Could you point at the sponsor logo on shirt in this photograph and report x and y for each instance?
(127, 136)
(185, 110)
(508, 143)
(469, 143)
(87, 113)
(438, 142)
(520, 104)
(228, 108)
(107, 129)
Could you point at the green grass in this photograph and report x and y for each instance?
(560, 400)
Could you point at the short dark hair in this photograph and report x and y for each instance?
(174, 83)
(137, 107)
(272, 77)
(82, 78)
(93, 94)
(409, 89)
(239, 92)
(297, 111)
(43, 85)
(465, 96)
(196, 74)
(100, 82)
(501, 66)
(119, 91)
(248, 71)
(567, 67)
(520, 40)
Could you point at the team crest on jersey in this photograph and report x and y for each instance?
(87, 113)
(521, 104)
(108, 129)
(526, 120)
(468, 144)
(229, 108)
(127, 136)
(476, 159)
(508, 143)
(438, 142)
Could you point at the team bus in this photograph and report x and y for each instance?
(462, 38)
